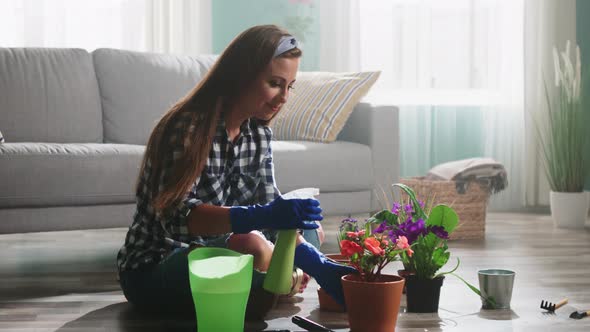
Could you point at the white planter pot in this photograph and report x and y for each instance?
(569, 210)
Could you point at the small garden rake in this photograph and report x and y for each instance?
(550, 307)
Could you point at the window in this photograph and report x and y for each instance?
(439, 50)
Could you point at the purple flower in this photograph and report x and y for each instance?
(422, 204)
(409, 209)
(439, 231)
(410, 229)
(417, 227)
(349, 220)
(349, 224)
(396, 208)
(383, 227)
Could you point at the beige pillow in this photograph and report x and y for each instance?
(320, 105)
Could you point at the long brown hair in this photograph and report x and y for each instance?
(240, 64)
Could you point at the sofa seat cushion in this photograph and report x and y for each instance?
(50, 174)
(332, 167)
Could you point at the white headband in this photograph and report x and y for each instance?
(286, 43)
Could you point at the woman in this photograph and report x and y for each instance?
(207, 168)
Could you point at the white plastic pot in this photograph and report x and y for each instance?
(569, 210)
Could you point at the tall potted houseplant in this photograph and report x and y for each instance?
(564, 142)
(372, 297)
(427, 232)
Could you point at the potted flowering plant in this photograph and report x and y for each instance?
(369, 250)
(426, 229)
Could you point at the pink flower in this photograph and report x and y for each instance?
(349, 248)
(352, 235)
(374, 246)
(402, 242)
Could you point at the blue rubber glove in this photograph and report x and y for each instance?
(278, 214)
(325, 271)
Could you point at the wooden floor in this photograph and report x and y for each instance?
(66, 281)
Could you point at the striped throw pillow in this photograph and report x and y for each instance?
(320, 105)
(1, 138)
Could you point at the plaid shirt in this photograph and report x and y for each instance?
(235, 174)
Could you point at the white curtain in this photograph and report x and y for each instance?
(504, 113)
(548, 23)
(440, 59)
(339, 35)
(180, 26)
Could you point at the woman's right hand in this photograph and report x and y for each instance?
(279, 214)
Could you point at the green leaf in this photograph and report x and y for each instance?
(489, 299)
(390, 217)
(378, 217)
(453, 270)
(440, 257)
(563, 143)
(430, 241)
(368, 229)
(443, 215)
(417, 208)
(383, 215)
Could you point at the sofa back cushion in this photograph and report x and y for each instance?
(49, 95)
(137, 88)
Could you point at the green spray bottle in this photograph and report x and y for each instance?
(280, 271)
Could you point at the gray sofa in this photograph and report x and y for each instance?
(76, 123)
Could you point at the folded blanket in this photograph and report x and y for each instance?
(490, 174)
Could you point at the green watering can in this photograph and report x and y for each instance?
(220, 282)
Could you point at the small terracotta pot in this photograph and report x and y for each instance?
(260, 302)
(327, 303)
(372, 306)
(338, 258)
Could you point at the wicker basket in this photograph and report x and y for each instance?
(470, 206)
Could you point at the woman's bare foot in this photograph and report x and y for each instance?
(304, 282)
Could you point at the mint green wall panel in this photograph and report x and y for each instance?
(431, 135)
(300, 17)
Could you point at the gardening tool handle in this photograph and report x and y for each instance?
(308, 324)
(561, 303)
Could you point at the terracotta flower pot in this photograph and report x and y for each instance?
(327, 303)
(372, 306)
(423, 295)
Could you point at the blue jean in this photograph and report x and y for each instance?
(160, 288)
(165, 287)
